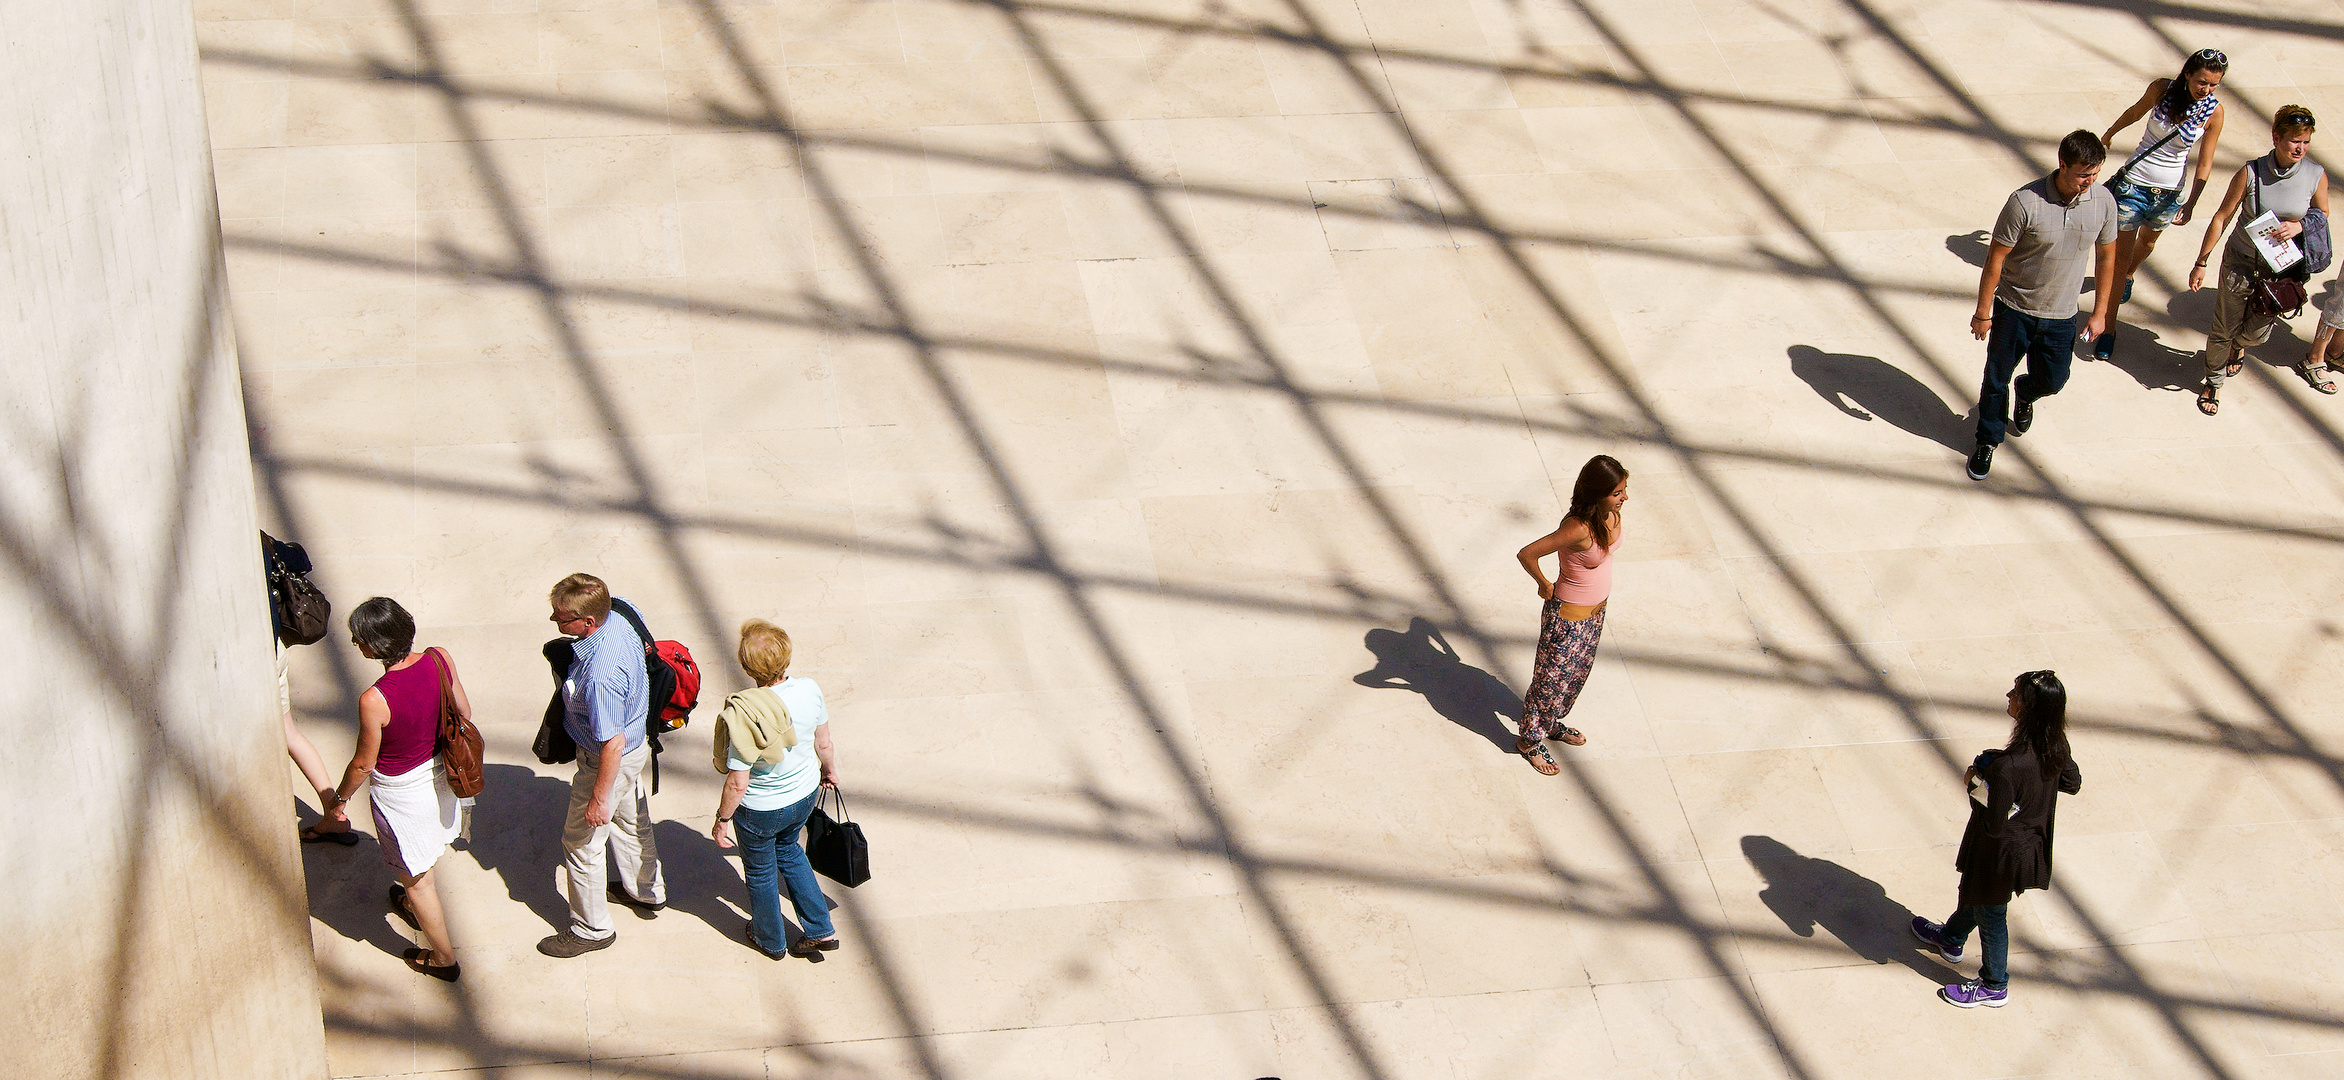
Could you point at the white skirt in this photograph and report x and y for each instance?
(415, 816)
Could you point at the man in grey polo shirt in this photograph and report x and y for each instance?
(2050, 232)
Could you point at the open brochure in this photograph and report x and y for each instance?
(2277, 254)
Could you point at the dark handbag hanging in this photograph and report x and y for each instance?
(554, 745)
(835, 845)
(2280, 297)
(459, 745)
(299, 611)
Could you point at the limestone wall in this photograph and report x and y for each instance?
(156, 915)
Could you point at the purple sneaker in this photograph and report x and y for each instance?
(1971, 994)
(1934, 935)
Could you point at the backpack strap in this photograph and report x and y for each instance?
(650, 655)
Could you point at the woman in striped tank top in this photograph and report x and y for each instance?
(2183, 118)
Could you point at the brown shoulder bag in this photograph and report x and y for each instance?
(459, 746)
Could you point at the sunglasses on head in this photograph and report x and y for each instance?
(2211, 56)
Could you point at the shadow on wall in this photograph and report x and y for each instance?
(1420, 659)
(1807, 893)
(1866, 387)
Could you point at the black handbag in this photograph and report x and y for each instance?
(835, 845)
(554, 745)
(299, 611)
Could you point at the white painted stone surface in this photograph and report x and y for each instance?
(156, 913)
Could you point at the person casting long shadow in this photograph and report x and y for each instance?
(772, 743)
(1867, 387)
(1806, 893)
(1420, 659)
(2006, 847)
(1572, 621)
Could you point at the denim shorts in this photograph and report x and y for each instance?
(2137, 204)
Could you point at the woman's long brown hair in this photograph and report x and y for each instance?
(1602, 475)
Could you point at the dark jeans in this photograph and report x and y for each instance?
(769, 843)
(1992, 922)
(2048, 345)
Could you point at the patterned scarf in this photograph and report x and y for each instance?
(2193, 122)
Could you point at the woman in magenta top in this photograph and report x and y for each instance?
(415, 813)
(1573, 618)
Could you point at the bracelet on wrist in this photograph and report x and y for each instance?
(724, 821)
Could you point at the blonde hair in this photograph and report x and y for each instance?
(765, 651)
(583, 595)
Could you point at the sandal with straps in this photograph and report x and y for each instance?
(2207, 402)
(1572, 736)
(1539, 758)
(2317, 376)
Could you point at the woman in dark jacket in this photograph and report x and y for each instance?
(2006, 849)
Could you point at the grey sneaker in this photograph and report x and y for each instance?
(565, 945)
(1933, 935)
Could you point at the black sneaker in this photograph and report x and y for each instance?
(2022, 417)
(1981, 460)
(565, 945)
(645, 908)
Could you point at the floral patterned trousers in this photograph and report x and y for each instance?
(1566, 650)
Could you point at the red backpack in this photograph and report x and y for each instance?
(675, 678)
(676, 711)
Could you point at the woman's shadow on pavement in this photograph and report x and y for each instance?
(1867, 387)
(1806, 893)
(348, 890)
(1420, 659)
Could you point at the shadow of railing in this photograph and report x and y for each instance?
(890, 310)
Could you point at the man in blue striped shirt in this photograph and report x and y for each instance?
(606, 708)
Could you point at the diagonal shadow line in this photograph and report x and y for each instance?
(376, 68)
(2155, 9)
(131, 671)
(725, 120)
(2244, 741)
(1172, 843)
(2162, 1003)
(1710, 945)
(1598, 426)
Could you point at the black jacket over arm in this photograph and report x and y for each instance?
(2006, 849)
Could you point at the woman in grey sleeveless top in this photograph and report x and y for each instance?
(2287, 185)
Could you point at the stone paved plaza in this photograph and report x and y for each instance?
(1132, 407)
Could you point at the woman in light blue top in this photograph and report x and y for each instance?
(773, 745)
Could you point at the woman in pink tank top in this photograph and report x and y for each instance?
(397, 762)
(1573, 619)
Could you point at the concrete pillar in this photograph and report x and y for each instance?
(156, 921)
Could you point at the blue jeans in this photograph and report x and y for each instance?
(2140, 204)
(769, 842)
(1992, 922)
(2047, 345)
